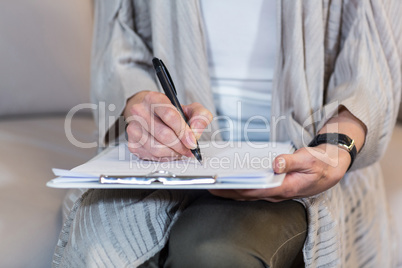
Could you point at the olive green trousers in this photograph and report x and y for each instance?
(218, 232)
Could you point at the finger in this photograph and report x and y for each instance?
(142, 119)
(143, 144)
(157, 105)
(172, 118)
(286, 163)
(165, 135)
(136, 135)
(145, 155)
(136, 139)
(161, 106)
(159, 150)
(199, 117)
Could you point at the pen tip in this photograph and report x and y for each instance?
(197, 154)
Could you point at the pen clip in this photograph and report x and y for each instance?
(168, 76)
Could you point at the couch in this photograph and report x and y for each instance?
(44, 72)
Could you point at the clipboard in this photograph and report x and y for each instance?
(160, 176)
(110, 170)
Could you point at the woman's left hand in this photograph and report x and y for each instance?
(309, 171)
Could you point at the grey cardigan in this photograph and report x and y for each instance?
(330, 53)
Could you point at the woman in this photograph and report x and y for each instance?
(338, 66)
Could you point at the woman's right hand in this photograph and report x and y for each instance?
(155, 129)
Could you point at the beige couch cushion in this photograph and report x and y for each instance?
(44, 52)
(44, 69)
(30, 215)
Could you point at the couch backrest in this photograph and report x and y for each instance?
(44, 55)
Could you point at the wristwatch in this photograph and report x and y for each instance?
(341, 140)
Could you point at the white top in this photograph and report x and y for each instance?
(241, 39)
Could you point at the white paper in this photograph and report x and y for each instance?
(236, 165)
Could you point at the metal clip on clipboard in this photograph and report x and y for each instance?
(160, 176)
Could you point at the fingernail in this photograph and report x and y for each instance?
(280, 164)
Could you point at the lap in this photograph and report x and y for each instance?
(219, 232)
(125, 227)
(120, 228)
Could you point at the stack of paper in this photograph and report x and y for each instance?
(226, 165)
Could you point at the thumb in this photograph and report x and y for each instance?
(286, 163)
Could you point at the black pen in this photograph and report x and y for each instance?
(170, 91)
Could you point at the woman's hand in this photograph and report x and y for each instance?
(155, 129)
(309, 171)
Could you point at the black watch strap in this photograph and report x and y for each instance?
(341, 140)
